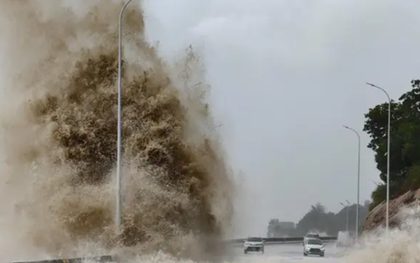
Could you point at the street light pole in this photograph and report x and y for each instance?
(118, 179)
(358, 180)
(388, 154)
(347, 216)
(348, 210)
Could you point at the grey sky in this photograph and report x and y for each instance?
(286, 75)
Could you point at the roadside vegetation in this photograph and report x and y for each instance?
(405, 143)
(319, 220)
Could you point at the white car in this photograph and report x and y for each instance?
(255, 244)
(313, 246)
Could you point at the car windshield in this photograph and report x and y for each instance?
(314, 242)
(254, 239)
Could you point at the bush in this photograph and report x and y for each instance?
(412, 181)
(378, 195)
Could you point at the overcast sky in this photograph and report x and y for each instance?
(286, 75)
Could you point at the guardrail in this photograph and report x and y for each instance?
(101, 259)
(279, 240)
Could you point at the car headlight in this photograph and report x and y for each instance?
(322, 248)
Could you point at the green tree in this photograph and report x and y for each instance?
(405, 145)
(319, 219)
(273, 229)
(316, 219)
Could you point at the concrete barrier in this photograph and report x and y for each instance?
(279, 240)
(101, 259)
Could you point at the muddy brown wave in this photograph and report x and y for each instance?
(59, 69)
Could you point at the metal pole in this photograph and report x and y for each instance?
(388, 154)
(118, 179)
(347, 216)
(348, 208)
(358, 181)
(347, 219)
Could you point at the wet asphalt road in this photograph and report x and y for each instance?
(285, 253)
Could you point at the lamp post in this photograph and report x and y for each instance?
(347, 214)
(118, 179)
(358, 180)
(388, 154)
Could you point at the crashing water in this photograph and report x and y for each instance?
(58, 132)
(402, 244)
(58, 80)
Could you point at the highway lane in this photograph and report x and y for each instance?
(285, 253)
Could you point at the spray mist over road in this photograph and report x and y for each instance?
(58, 131)
(58, 136)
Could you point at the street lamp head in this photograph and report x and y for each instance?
(347, 127)
(382, 89)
